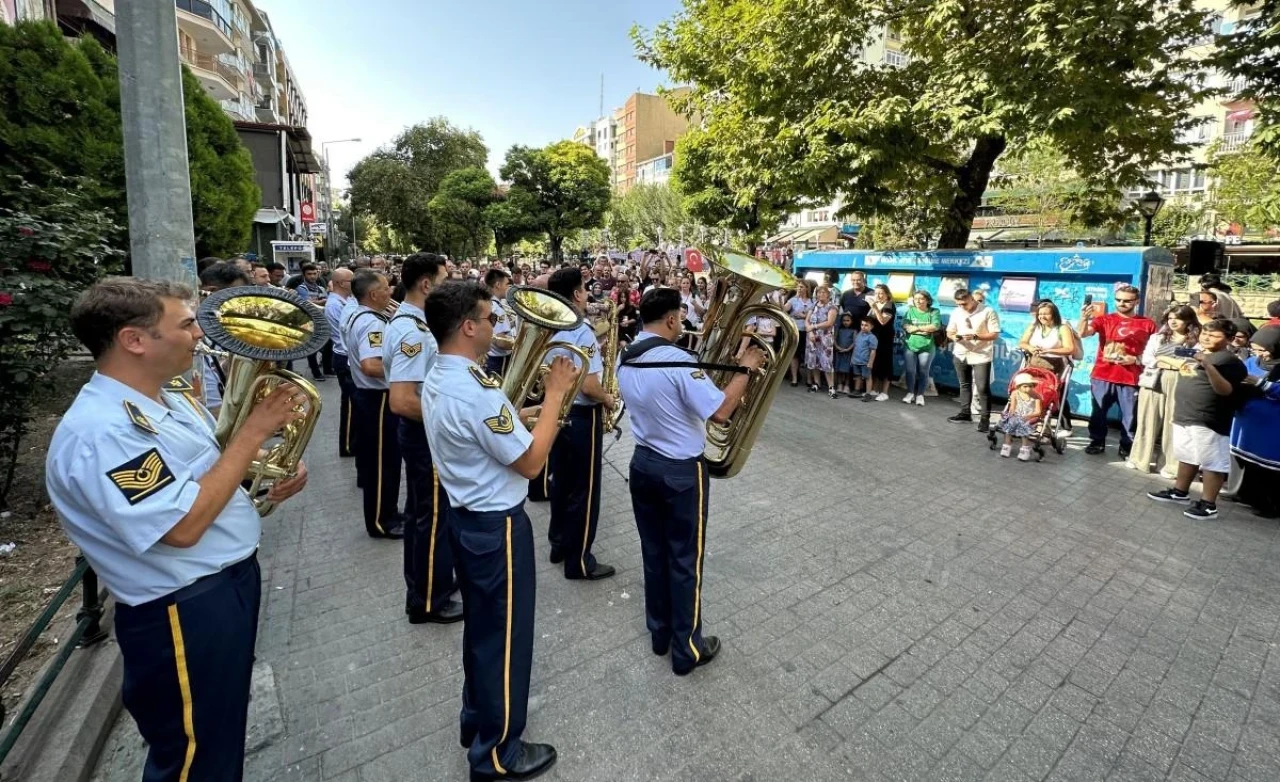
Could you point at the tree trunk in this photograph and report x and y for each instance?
(971, 183)
(557, 248)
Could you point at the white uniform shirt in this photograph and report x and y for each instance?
(336, 312)
(408, 349)
(505, 327)
(364, 338)
(669, 407)
(475, 433)
(122, 471)
(982, 319)
(584, 337)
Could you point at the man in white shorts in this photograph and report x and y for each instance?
(1204, 403)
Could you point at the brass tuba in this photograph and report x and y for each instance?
(542, 314)
(606, 329)
(256, 327)
(740, 284)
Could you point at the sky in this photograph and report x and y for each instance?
(518, 71)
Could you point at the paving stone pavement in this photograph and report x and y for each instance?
(896, 602)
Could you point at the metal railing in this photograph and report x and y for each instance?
(88, 631)
(207, 62)
(1234, 140)
(206, 11)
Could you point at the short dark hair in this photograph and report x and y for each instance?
(224, 275)
(1132, 291)
(363, 282)
(206, 262)
(309, 267)
(658, 303)
(495, 276)
(959, 293)
(272, 266)
(1273, 309)
(114, 303)
(565, 281)
(450, 304)
(1221, 326)
(417, 266)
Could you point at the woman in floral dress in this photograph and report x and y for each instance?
(821, 336)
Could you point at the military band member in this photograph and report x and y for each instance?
(408, 351)
(336, 312)
(498, 281)
(576, 458)
(140, 485)
(669, 408)
(540, 484)
(377, 446)
(484, 455)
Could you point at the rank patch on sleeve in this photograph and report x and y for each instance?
(501, 423)
(698, 374)
(141, 477)
(410, 350)
(591, 350)
(375, 339)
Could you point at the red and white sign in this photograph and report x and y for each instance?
(308, 210)
(693, 260)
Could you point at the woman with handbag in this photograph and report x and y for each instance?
(1167, 351)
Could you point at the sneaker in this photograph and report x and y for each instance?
(832, 392)
(1005, 450)
(813, 389)
(920, 401)
(882, 397)
(1024, 453)
(908, 399)
(961, 418)
(1170, 495)
(1201, 510)
(868, 397)
(1094, 449)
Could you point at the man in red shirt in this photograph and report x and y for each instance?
(1122, 336)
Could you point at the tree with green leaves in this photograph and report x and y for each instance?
(458, 211)
(564, 187)
(790, 110)
(1246, 186)
(510, 222)
(652, 213)
(1251, 51)
(397, 182)
(1176, 223)
(1038, 182)
(224, 191)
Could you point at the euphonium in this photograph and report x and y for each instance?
(258, 327)
(740, 283)
(606, 329)
(542, 314)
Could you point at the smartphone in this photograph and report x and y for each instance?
(1184, 352)
(1088, 299)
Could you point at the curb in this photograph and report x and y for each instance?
(65, 737)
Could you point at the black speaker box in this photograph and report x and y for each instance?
(1204, 256)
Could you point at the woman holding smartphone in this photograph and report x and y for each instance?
(1167, 351)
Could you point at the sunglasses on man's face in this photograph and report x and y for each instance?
(492, 317)
(1126, 301)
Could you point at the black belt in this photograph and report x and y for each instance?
(583, 410)
(196, 588)
(651, 453)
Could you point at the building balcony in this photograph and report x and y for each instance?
(239, 109)
(220, 79)
(1234, 141)
(210, 29)
(1232, 90)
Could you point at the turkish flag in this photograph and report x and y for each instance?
(308, 212)
(693, 260)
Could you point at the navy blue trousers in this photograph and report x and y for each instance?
(428, 560)
(540, 485)
(188, 659)
(496, 365)
(669, 498)
(575, 489)
(346, 437)
(1104, 396)
(377, 459)
(493, 553)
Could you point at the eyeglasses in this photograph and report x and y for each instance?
(1207, 302)
(492, 318)
(1126, 301)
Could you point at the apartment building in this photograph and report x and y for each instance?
(647, 128)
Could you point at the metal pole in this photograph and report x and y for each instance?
(1146, 236)
(161, 230)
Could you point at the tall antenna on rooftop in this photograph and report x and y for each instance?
(601, 114)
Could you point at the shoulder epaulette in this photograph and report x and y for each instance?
(483, 378)
(178, 384)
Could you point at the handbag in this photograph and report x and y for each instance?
(1150, 378)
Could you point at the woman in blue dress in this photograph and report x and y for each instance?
(1254, 441)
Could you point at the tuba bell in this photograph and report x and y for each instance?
(256, 327)
(542, 314)
(740, 284)
(606, 330)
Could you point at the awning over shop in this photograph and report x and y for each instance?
(1241, 115)
(272, 216)
(821, 234)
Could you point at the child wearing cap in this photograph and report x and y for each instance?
(1020, 416)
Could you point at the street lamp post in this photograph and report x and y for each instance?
(328, 183)
(1148, 206)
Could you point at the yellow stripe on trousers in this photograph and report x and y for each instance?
(591, 484)
(377, 516)
(431, 547)
(506, 665)
(184, 687)
(346, 435)
(697, 575)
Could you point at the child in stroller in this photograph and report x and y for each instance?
(1047, 425)
(1021, 414)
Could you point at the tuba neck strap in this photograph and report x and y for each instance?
(633, 352)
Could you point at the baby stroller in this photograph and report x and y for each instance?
(1050, 387)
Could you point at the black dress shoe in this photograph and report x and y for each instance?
(452, 612)
(961, 418)
(392, 532)
(710, 648)
(1095, 448)
(533, 761)
(597, 573)
(319, 378)
(1123, 452)
(660, 647)
(557, 555)
(984, 426)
